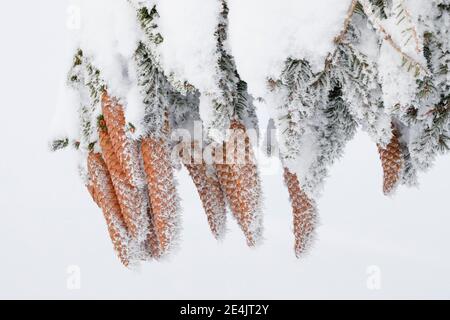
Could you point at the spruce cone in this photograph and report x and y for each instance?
(392, 162)
(162, 191)
(130, 198)
(123, 159)
(211, 194)
(102, 189)
(126, 150)
(239, 179)
(304, 214)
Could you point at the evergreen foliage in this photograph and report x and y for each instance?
(387, 73)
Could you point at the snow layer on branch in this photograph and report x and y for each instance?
(188, 52)
(109, 34)
(398, 77)
(399, 85)
(264, 33)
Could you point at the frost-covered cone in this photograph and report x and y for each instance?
(211, 194)
(102, 189)
(162, 191)
(392, 162)
(304, 211)
(239, 178)
(126, 150)
(130, 197)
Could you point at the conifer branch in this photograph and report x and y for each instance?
(407, 16)
(351, 10)
(376, 23)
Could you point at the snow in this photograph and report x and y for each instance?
(135, 110)
(302, 165)
(264, 33)
(398, 81)
(109, 34)
(189, 47)
(399, 85)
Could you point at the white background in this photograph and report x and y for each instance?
(48, 221)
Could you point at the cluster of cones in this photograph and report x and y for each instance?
(133, 183)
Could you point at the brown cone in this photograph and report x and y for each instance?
(304, 214)
(102, 189)
(392, 162)
(126, 150)
(129, 196)
(239, 179)
(162, 191)
(210, 192)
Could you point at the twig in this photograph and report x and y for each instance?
(348, 19)
(412, 28)
(379, 27)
